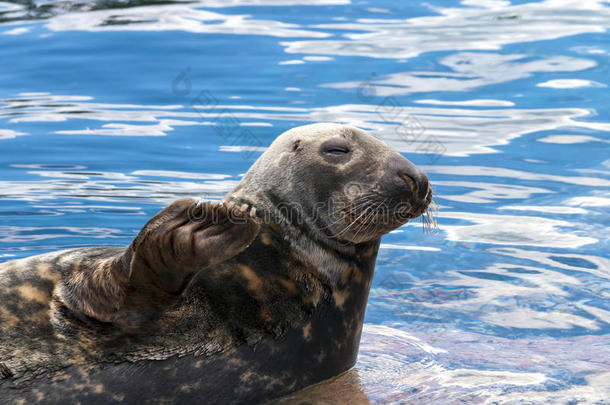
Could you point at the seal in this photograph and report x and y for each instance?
(237, 301)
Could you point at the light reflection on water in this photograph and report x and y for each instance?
(396, 366)
(508, 303)
(461, 131)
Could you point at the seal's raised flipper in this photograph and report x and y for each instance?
(183, 239)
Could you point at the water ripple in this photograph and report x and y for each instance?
(469, 71)
(484, 26)
(392, 369)
(457, 131)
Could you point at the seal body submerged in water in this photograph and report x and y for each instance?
(237, 301)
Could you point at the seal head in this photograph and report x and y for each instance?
(344, 184)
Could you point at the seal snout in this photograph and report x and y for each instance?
(415, 179)
(417, 183)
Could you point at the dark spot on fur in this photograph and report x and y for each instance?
(5, 372)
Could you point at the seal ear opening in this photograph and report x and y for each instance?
(296, 145)
(185, 238)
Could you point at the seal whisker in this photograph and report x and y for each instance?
(429, 221)
(347, 213)
(369, 212)
(367, 222)
(352, 223)
(368, 209)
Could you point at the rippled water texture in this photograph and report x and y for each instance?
(110, 109)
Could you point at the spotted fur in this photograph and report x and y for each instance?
(232, 302)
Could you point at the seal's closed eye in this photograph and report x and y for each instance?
(337, 150)
(336, 147)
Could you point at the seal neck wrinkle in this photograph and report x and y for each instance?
(330, 258)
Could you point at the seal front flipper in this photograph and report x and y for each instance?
(184, 238)
(129, 289)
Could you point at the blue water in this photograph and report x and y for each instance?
(110, 110)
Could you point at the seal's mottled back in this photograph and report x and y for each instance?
(242, 300)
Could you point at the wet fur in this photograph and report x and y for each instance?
(221, 303)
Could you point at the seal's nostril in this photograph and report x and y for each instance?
(410, 181)
(424, 186)
(417, 183)
(411, 175)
